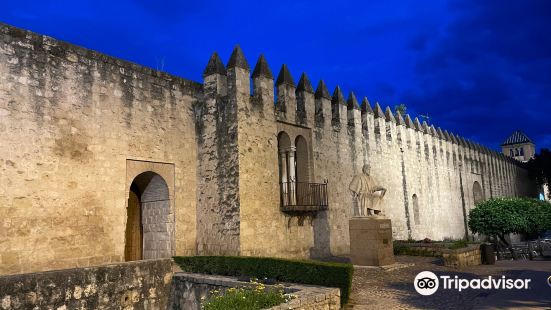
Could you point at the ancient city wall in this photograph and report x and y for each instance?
(433, 177)
(78, 127)
(70, 119)
(247, 218)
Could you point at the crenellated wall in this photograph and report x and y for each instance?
(446, 173)
(79, 126)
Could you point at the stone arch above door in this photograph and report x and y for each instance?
(156, 186)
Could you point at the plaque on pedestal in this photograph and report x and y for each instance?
(371, 241)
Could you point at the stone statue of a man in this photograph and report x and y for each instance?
(367, 193)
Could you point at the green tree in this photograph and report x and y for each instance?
(402, 108)
(499, 217)
(540, 169)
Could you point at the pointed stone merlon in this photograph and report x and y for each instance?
(417, 125)
(215, 77)
(238, 74)
(353, 110)
(441, 134)
(389, 117)
(263, 84)
(323, 105)
(337, 104)
(352, 102)
(426, 128)
(286, 104)
(409, 122)
(433, 131)
(366, 106)
(399, 119)
(378, 112)
(305, 101)
(304, 84)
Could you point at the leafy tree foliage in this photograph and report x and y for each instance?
(499, 217)
(402, 108)
(540, 168)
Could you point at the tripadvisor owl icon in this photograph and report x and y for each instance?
(426, 283)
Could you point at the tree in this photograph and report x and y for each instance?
(500, 217)
(402, 108)
(540, 169)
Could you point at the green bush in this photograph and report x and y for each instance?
(284, 270)
(458, 244)
(405, 249)
(246, 298)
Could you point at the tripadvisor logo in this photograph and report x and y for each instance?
(427, 283)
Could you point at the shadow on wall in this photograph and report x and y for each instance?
(322, 236)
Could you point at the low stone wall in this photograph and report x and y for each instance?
(468, 256)
(132, 285)
(188, 289)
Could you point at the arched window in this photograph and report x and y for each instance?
(521, 151)
(287, 168)
(511, 153)
(302, 166)
(415, 201)
(516, 152)
(478, 194)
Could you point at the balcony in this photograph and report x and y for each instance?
(299, 197)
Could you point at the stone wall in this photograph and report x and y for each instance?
(70, 119)
(81, 126)
(444, 173)
(469, 256)
(132, 285)
(189, 290)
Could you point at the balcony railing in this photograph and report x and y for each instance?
(301, 196)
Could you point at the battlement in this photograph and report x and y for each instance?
(301, 105)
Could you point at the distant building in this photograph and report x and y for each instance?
(519, 147)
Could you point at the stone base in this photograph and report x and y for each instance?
(371, 241)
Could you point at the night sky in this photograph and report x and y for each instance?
(478, 68)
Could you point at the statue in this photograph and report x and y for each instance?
(367, 194)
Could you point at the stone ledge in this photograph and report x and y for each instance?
(308, 296)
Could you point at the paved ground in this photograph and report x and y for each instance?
(379, 289)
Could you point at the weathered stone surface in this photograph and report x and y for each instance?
(463, 257)
(133, 285)
(189, 290)
(73, 119)
(371, 241)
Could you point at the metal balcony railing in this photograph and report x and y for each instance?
(302, 196)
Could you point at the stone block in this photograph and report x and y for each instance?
(371, 241)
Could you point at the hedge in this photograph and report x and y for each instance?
(284, 270)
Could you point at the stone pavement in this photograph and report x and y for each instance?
(380, 289)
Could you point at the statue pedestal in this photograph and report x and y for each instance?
(371, 241)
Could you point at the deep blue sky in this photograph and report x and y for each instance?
(478, 68)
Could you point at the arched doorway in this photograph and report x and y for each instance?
(150, 225)
(478, 195)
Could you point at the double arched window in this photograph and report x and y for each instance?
(294, 168)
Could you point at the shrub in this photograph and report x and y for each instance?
(405, 249)
(458, 244)
(285, 270)
(246, 298)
